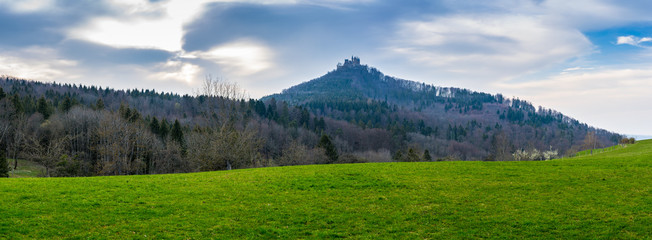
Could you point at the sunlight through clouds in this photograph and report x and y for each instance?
(135, 34)
(176, 71)
(146, 25)
(240, 58)
(36, 63)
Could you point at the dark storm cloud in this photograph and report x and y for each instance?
(323, 26)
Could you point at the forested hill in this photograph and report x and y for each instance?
(448, 121)
(353, 81)
(352, 114)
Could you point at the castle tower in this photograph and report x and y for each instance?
(353, 62)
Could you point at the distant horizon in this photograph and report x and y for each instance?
(639, 137)
(193, 93)
(588, 59)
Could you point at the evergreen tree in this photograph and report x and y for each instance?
(320, 124)
(124, 111)
(99, 104)
(326, 143)
(176, 133)
(398, 156)
(43, 107)
(66, 104)
(426, 156)
(18, 106)
(260, 109)
(164, 129)
(2, 93)
(134, 116)
(412, 156)
(4, 166)
(154, 126)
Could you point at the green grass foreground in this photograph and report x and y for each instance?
(604, 196)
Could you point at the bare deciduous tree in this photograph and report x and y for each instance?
(590, 141)
(48, 153)
(298, 154)
(220, 87)
(224, 148)
(501, 147)
(122, 146)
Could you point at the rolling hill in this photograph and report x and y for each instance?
(447, 121)
(603, 196)
(360, 114)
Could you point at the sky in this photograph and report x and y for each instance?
(589, 59)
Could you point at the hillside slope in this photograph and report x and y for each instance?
(604, 196)
(447, 121)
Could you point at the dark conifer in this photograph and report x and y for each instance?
(426, 156)
(18, 106)
(412, 156)
(43, 107)
(164, 129)
(4, 166)
(398, 156)
(154, 126)
(326, 143)
(176, 133)
(99, 105)
(66, 104)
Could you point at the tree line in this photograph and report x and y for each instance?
(76, 130)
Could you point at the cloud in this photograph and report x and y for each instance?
(616, 98)
(37, 63)
(49, 64)
(591, 15)
(93, 55)
(145, 24)
(627, 40)
(491, 46)
(572, 69)
(27, 6)
(239, 58)
(131, 34)
(175, 71)
(634, 41)
(275, 24)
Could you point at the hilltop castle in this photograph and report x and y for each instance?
(354, 62)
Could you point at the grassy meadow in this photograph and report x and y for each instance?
(603, 196)
(26, 169)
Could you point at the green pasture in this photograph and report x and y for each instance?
(600, 196)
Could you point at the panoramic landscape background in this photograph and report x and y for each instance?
(352, 114)
(137, 119)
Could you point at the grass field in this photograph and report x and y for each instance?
(26, 169)
(599, 150)
(604, 196)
